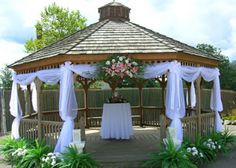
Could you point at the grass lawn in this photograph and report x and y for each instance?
(3, 138)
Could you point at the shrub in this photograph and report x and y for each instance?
(33, 157)
(8, 150)
(170, 157)
(72, 159)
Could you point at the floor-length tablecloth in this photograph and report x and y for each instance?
(116, 121)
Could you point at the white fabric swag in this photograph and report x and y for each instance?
(175, 104)
(67, 107)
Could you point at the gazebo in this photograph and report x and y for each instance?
(75, 57)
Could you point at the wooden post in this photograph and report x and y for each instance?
(27, 96)
(38, 84)
(198, 103)
(189, 98)
(163, 124)
(140, 84)
(3, 115)
(86, 87)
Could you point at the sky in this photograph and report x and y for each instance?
(189, 21)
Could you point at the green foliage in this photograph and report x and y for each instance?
(33, 157)
(10, 146)
(224, 139)
(55, 23)
(5, 78)
(72, 159)
(228, 73)
(170, 157)
(204, 154)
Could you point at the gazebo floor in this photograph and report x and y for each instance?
(123, 153)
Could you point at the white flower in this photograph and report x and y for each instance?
(121, 58)
(126, 61)
(195, 153)
(113, 60)
(209, 140)
(108, 62)
(189, 149)
(53, 162)
(213, 146)
(53, 157)
(201, 155)
(194, 148)
(135, 63)
(219, 147)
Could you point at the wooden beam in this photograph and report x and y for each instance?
(93, 58)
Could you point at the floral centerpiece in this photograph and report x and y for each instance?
(115, 98)
(120, 67)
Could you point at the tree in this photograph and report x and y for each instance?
(5, 78)
(5, 83)
(226, 70)
(55, 23)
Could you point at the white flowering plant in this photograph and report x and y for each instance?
(120, 67)
(50, 160)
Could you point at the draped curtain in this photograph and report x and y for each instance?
(175, 104)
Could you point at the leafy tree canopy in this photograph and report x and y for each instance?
(55, 23)
(228, 73)
(5, 78)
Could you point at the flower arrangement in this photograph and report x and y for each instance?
(115, 98)
(121, 67)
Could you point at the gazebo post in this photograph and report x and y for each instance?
(38, 84)
(86, 84)
(198, 103)
(27, 95)
(140, 84)
(189, 98)
(163, 124)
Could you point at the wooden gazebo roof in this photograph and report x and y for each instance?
(113, 34)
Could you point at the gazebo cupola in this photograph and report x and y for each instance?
(114, 11)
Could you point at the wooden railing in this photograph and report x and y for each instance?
(190, 125)
(51, 131)
(29, 128)
(207, 123)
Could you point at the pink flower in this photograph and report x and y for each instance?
(122, 75)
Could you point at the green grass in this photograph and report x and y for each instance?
(3, 139)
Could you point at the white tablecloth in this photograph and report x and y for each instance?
(116, 121)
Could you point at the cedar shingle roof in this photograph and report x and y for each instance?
(113, 37)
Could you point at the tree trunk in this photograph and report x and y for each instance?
(3, 116)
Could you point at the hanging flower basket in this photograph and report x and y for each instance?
(120, 67)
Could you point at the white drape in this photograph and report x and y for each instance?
(15, 108)
(67, 107)
(175, 106)
(48, 76)
(216, 103)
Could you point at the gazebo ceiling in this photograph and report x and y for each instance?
(114, 34)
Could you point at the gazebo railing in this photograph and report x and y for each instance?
(29, 128)
(51, 127)
(51, 132)
(190, 125)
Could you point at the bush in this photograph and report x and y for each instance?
(8, 150)
(72, 159)
(33, 157)
(170, 157)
